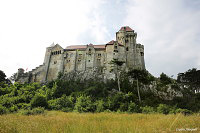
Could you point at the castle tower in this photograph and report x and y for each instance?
(134, 52)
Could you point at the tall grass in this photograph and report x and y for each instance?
(58, 122)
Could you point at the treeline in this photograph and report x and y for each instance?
(140, 92)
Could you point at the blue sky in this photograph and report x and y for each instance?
(169, 30)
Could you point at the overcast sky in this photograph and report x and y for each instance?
(169, 30)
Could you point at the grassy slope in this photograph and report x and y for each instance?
(55, 121)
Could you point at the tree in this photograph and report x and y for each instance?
(2, 76)
(165, 79)
(190, 78)
(140, 76)
(118, 64)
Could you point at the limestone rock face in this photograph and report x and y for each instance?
(89, 61)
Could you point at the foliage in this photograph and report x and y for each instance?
(98, 96)
(39, 101)
(84, 104)
(147, 109)
(34, 111)
(2, 76)
(3, 110)
(163, 108)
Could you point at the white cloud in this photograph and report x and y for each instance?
(28, 27)
(169, 31)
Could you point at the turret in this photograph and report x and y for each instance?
(20, 73)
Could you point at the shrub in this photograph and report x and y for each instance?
(3, 110)
(147, 109)
(14, 108)
(132, 107)
(64, 103)
(84, 104)
(100, 106)
(39, 101)
(183, 111)
(34, 111)
(163, 108)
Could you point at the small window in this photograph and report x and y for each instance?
(126, 48)
(99, 54)
(115, 47)
(141, 53)
(55, 62)
(126, 41)
(88, 60)
(89, 49)
(79, 60)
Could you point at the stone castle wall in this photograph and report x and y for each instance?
(88, 59)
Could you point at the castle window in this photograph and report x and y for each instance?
(141, 53)
(115, 47)
(55, 62)
(88, 60)
(126, 48)
(116, 51)
(99, 54)
(126, 41)
(79, 60)
(54, 53)
(89, 50)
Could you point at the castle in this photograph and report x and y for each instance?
(88, 58)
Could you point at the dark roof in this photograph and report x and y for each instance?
(125, 28)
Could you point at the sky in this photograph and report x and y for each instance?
(168, 29)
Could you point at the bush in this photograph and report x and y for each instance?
(163, 108)
(147, 109)
(34, 111)
(39, 101)
(183, 111)
(84, 104)
(132, 107)
(3, 110)
(100, 106)
(64, 103)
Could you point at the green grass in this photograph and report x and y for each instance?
(58, 122)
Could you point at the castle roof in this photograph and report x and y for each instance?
(85, 46)
(125, 28)
(112, 42)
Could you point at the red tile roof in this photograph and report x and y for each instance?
(111, 42)
(126, 28)
(99, 46)
(77, 47)
(85, 46)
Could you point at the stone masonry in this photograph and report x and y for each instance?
(88, 58)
